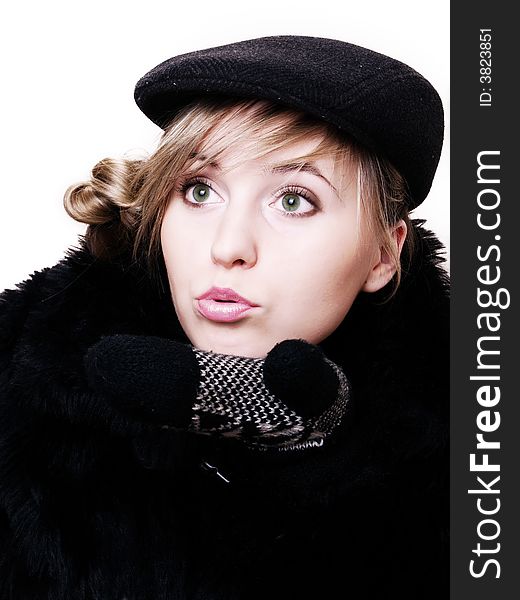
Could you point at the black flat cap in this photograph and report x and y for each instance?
(381, 102)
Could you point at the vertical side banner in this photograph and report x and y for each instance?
(484, 353)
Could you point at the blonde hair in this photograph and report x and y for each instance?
(125, 200)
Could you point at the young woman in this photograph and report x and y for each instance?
(236, 387)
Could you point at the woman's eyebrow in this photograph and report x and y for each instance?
(290, 167)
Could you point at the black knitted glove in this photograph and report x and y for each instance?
(292, 399)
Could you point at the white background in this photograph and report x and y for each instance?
(68, 70)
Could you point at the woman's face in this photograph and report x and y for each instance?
(286, 240)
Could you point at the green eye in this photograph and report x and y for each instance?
(291, 202)
(200, 192)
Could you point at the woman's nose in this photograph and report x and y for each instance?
(235, 240)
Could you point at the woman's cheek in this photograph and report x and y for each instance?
(336, 289)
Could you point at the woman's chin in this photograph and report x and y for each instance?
(247, 349)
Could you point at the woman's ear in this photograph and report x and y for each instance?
(384, 268)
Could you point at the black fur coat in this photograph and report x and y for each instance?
(95, 507)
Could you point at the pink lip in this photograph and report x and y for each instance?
(224, 305)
